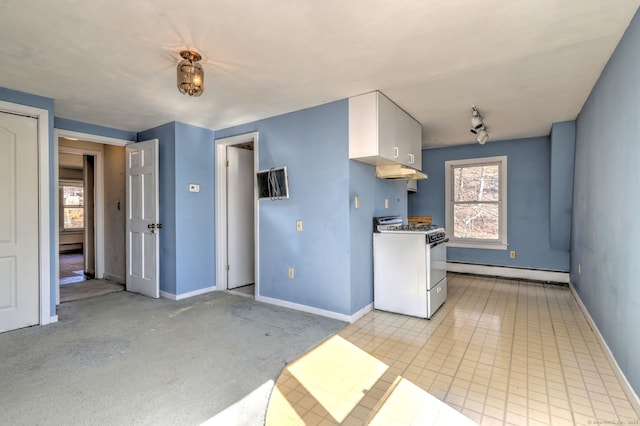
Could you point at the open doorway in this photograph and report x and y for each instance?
(77, 262)
(236, 211)
(91, 208)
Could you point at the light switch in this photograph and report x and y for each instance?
(357, 202)
(386, 203)
(193, 187)
(299, 225)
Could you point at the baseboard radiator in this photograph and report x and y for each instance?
(558, 277)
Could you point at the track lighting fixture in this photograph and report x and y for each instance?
(477, 126)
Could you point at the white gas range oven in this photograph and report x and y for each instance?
(410, 267)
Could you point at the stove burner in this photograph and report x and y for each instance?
(394, 224)
(413, 226)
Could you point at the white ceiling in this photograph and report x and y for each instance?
(524, 63)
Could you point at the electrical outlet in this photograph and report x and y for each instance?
(290, 273)
(299, 225)
(357, 202)
(386, 203)
(512, 254)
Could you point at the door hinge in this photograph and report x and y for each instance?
(228, 267)
(227, 163)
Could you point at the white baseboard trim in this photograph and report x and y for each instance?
(362, 312)
(53, 319)
(507, 272)
(316, 311)
(626, 386)
(172, 296)
(115, 278)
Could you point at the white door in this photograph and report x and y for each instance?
(240, 234)
(19, 251)
(142, 218)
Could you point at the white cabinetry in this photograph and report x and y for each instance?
(415, 137)
(381, 133)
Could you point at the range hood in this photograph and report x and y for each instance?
(399, 172)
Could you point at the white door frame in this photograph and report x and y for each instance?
(44, 205)
(221, 208)
(99, 194)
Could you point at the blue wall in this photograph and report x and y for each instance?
(187, 240)
(528, 195)
(194, 211)
(372, 192)
(22, 98)
(313, 145)
(563, 143)
(606, 230)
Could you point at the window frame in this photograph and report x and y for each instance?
(61, 184)
(502, 242)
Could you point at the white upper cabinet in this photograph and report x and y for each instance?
(381, 133)
(416, 144)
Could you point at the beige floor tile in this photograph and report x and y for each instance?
(499, 351)
(473, 415)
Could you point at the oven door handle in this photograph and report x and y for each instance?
(437, 243)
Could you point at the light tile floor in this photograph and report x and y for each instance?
(499, 352)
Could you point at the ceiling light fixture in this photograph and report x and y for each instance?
(190, 74)
(477, 126)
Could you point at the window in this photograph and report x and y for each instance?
(476, 202)
(72, 205)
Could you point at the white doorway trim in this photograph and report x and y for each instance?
(99, 195)
(44, 205)
(221, 208)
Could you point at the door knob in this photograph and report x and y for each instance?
(151, 226)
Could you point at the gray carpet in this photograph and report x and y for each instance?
(128, 359)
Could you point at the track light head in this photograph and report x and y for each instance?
(476, 122)
(482, 136)
(477, 126)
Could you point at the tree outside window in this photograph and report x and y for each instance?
(72, 206)
(476, 202)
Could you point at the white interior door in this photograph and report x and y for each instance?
(143, 247)
(19, 250)
(240, 233)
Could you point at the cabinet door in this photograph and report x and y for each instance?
(387, 146)
(363, 126)
(416, 144)
(403, 137)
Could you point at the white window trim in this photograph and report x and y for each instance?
(502, 243)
